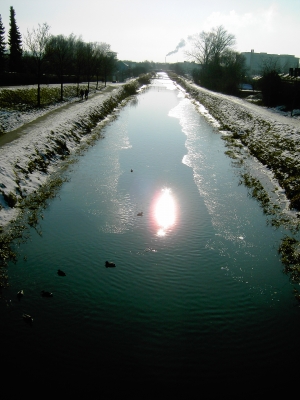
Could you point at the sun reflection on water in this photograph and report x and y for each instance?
(165, 211)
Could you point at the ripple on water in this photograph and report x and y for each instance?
(178, 304)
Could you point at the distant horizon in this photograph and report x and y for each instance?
(157, 29)
(174, 62)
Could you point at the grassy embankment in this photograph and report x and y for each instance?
(26, 98)
(31, 206)
(276, 151)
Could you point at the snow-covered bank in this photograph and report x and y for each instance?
(53, 133)
(271, 136)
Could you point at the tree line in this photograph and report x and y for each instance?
(62, 59)
(45, 55)
(222, 69)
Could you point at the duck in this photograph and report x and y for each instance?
(20, 293)
(131, 170)
(140, 214)
(61, 273)
(46, 294)
(109, 264)
(27, 318)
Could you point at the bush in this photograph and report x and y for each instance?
(130, 89)
(144, 79)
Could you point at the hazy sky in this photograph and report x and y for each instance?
(150, 29)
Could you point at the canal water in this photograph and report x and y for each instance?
(197, 295)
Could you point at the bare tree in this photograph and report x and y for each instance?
(208, 47)
(221, 67)
(36, 42)
(99, 54)
(222, 42)
(89, 52)
(269, 64)
(202, 44)
(79, 60)
(60, 50)
(109, 61)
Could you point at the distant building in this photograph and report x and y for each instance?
(256, 62)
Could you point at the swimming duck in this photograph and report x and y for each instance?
(140, 214)
(61, 273)
(109, 264)
(20, 293)
(27, 318)
(46, 294)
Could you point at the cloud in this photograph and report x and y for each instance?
(263, 18)
(254, 29)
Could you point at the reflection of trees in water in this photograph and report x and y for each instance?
(134, 102)
(31, 212)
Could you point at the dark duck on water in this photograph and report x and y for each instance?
(109, 264)
(46, 294)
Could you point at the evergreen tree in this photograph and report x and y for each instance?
(15, 44)
(2, 46)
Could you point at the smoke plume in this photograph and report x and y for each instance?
(180, 44)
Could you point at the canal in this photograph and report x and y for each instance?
(198, 292)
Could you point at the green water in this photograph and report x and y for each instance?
(198, 292)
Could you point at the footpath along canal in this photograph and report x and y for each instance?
(197, 296)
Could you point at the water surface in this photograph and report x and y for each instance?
(198, 292)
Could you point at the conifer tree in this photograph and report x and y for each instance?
(2, 46)
(15, 44)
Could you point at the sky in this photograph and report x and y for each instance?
(141, 30)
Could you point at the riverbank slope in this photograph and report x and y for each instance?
(271, 136)
(35, 144)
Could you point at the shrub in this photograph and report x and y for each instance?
(130, 89)
(144, 79)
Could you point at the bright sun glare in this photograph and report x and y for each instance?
(165, 211)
